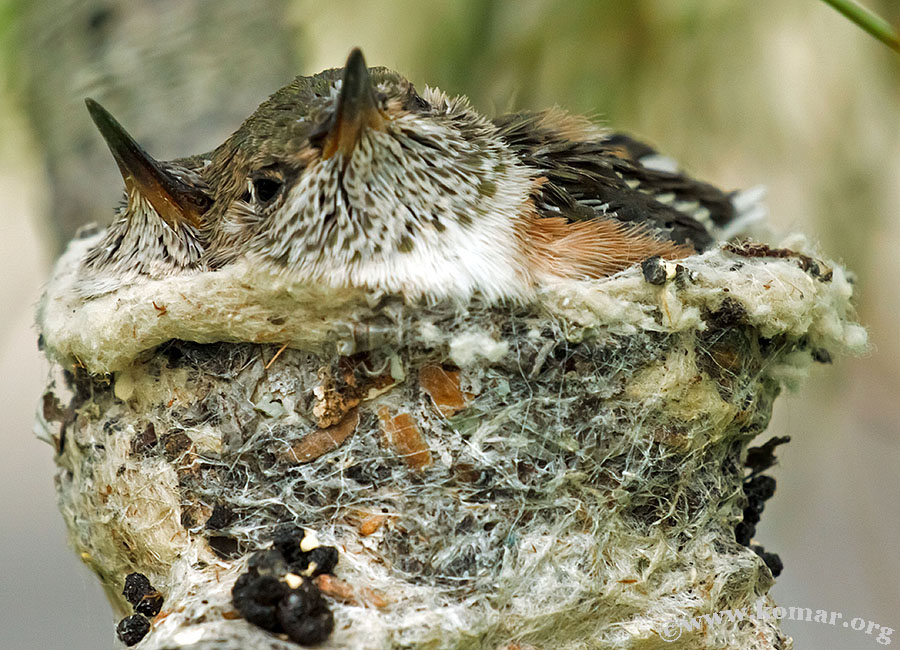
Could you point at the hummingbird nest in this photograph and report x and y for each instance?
(569, 471)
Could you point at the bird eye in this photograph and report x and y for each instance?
(266, 189)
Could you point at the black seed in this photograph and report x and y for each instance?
(142, 595)
(759, 459)
(132, 629)
(776, 566)
(137, 585)
(752, 515)
(304, 617)
(256, 597)
(743, 533)
(761, 488)
(324, 557)
(287, 540)
(150, 605)
(268, 563)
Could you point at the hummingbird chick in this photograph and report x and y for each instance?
(158, 229)
(351, 178)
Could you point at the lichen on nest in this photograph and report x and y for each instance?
(567, 473)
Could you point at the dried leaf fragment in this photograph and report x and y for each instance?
(345, 593)
(405, 439)
(321, 441)
(371, 524)
(442, 386)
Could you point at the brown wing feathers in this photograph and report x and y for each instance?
(597, 178)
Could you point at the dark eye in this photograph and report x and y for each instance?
(266, 189)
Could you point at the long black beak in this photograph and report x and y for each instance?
(173, 199)
(357, 109)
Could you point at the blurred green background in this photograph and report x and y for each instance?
(786, 94)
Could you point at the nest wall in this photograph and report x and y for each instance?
(566, 473)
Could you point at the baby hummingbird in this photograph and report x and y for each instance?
(157, 231)
(351, 178)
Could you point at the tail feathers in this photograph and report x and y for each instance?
(723, 215)
(749, 209)
(660, 163)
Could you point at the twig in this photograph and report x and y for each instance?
(277, 354)
(869, 21)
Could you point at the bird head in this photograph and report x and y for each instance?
(352, 178)
(158, 229)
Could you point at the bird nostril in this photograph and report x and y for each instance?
(201, 202)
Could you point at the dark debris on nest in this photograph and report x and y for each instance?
(277, 592)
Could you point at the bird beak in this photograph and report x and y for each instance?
(173, 199)
(356, 110)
